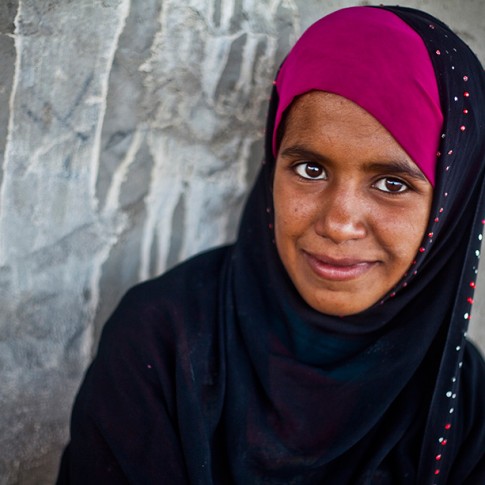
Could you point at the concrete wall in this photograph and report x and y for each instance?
(130, 132)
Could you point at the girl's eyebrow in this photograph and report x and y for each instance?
(300, 151)
(396, 167)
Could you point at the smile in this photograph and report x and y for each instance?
(338, 269)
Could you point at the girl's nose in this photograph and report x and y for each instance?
(342, 215)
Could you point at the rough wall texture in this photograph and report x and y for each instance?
(129, 135)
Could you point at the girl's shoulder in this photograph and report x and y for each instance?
(183, 303)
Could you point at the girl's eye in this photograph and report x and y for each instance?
(391, 185)
(310, 171)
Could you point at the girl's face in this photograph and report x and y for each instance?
(351, 207)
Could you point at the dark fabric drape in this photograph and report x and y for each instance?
(218, 372)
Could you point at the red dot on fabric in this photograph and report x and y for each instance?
(462, 127)
(466, 94)
(436, 219)
(444, 442)
(465, 78)
(470, 300)
(450, 152)
(438, 52)
(438, 154)
(448, 426)
(441, 210)
(436, 472)
(483, 221)
(422, 250)
(465, 111)
(438, 457)
(472, 284)
(274, 83)
(430, 234)
(393, 294)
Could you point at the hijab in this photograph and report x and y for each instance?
(219, 372)
(327, 399)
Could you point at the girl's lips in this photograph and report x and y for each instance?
(338, 269)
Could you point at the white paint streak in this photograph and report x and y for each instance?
(124, 11)
(8, 146)
(100, 258)
(113, 197)
(217, 51)
(160, 204)
(227, 13)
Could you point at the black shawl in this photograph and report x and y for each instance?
(218, 372)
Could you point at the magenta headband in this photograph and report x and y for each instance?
(373, 58)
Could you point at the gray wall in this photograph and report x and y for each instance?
(130, 133)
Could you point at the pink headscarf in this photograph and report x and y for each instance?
(373, 58)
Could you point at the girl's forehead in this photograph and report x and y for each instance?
(331, 129)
